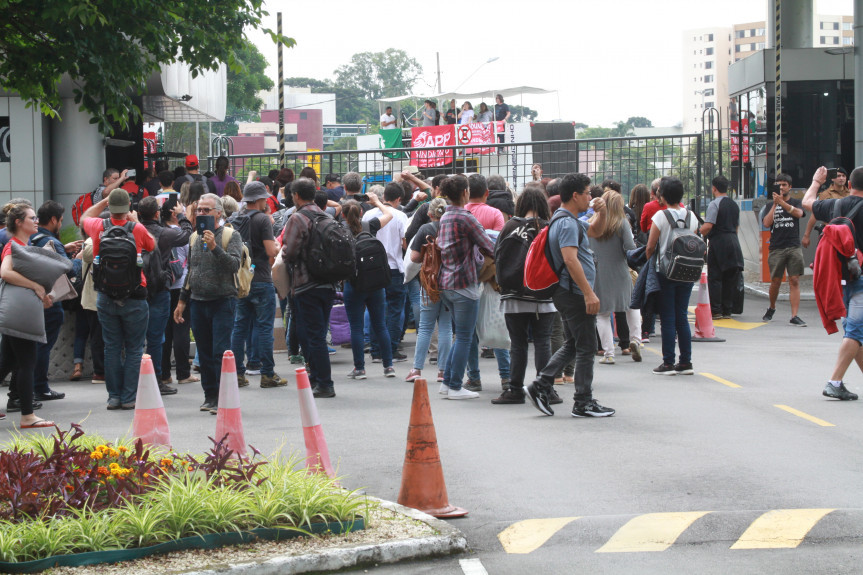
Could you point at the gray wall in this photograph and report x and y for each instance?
(27, 174)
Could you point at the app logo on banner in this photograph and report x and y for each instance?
(432, 137)
(476, 134)
(5, 140)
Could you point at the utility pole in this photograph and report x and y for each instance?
(281, 94)
(439, 87)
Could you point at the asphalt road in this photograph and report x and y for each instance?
(686, 469)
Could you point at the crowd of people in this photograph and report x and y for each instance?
(174, 251)
(464, 114)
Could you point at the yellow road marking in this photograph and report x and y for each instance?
(651, 350)
(732, 323)
(780, 528)
(719, 379)
(530, 534)
(805, 416)
(650, 532)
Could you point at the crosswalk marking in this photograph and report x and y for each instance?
(650, 532)
(719, 379)
(472, 567)
(530, 534)
(780, 529)
(805, 416)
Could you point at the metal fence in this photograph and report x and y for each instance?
(628, 160)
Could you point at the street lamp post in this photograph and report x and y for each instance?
(489, 61)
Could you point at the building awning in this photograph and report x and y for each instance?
(173, 95)
(505, 92)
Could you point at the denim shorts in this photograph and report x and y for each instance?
(853, 322)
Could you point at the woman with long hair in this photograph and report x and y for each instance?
(16, 353)
(222, 177)
(232, 190)
(459, 238)
(309, 172)
(466, 114)
(613, 281)
(485, 114)
(357, 301)
(525, 314)
(431, 313)
(638, 197)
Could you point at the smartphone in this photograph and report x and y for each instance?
(775, 189)
(204, 223)
(832, 173)
(131, 174)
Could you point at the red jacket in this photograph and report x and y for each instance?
(827, 281)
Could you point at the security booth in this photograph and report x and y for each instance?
(817, 123)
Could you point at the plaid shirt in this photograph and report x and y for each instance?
(459, 234)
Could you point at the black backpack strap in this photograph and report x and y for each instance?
(853, 212)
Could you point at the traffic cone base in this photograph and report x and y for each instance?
(229, 418)
(423, 485)
(704, 331)
(150, 423)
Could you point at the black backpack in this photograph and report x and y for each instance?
(684, 258)
(241, 222)
(373, 268)
(330, 251)
(850, 266)
(117, 274)
(510, 253)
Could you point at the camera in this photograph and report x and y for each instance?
(832, 173)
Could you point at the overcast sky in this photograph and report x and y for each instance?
(608, 59)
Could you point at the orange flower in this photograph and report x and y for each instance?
(96, 455)
(69, 487)
(103, 471)
(166, 463)
(122, 449)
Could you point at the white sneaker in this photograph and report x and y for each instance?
(461, 394)
(607, 359)
(444, 389)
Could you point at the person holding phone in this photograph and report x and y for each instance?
(837, 190)
(782, 216)
(210, 292)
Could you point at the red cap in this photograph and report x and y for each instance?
(192, 161)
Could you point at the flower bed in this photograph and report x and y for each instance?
(71, 493)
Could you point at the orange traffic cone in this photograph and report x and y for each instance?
(317, 453)
(151, 422)
(229, 419)
(703, 316)
(423, 486)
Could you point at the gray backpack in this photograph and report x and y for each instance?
(683, 260)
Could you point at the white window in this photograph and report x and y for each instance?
(760, 32)
(709, 51)
(759, 46)
(835, 39)
(737, 47)
(823, 39)
(708, 79)
(708, 92)
(848, 41)
(846, 26)
(710, 37)
(708, 104)
(708, 65)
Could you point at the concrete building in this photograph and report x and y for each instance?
(706, 57)
(302, 99)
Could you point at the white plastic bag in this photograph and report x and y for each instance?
(491, 324)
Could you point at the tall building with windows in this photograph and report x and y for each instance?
(706, 57)
(708, 52)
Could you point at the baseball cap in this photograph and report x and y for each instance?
(255, 191)
(333, 178)
(191, 161)
(118, 201)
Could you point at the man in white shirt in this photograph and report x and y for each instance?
(388, 121)
(392, 236)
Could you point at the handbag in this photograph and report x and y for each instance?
(429, 271)
(281, 279)
(62, 290)
(412, 269)
(491, 323)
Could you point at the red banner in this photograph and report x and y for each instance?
(432, 137)
(739, 131)
(477, 134)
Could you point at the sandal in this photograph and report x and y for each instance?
(77, 372)
(38, 424)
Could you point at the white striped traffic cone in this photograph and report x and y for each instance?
(317, 453)
(151, 422)
(703, 316)
(229, 419)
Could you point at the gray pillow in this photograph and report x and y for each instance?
(21, 312)
(39, 265)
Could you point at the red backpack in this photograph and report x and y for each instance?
(539, 274)
(82, 204)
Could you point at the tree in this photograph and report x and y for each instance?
(522, 113)
(639, 122)
(109, 48)
(379, 74)
(351, 106)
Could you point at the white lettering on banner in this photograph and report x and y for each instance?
(514, 162)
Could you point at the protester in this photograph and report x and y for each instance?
(574, 298)
(210, 292)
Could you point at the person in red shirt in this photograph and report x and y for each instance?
(124, 323)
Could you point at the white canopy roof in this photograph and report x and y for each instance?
(505, 92)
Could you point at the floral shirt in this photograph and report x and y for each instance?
(460, 233)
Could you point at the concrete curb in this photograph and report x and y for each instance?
(752, 290)
(449, 540)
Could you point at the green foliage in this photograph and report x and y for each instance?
(620, 129)
(109, 48)
(351, 106)
(521, 113)
(639, 122)
(379, 74)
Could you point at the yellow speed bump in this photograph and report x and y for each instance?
(530, 534)
(780, 529)
(650, 532)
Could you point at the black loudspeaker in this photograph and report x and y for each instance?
(557, 158)
(125, 148)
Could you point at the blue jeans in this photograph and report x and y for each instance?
(465, 312)
(258, 308)
(124, 330)
(412, 289)
(160, 311)
(395, 306)
(356, 302)
(53, 323)
(501, 355)
(212, 322)
(313, 320)
(431, 313)
(252, 343)
(82, 334)
(673, 303)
